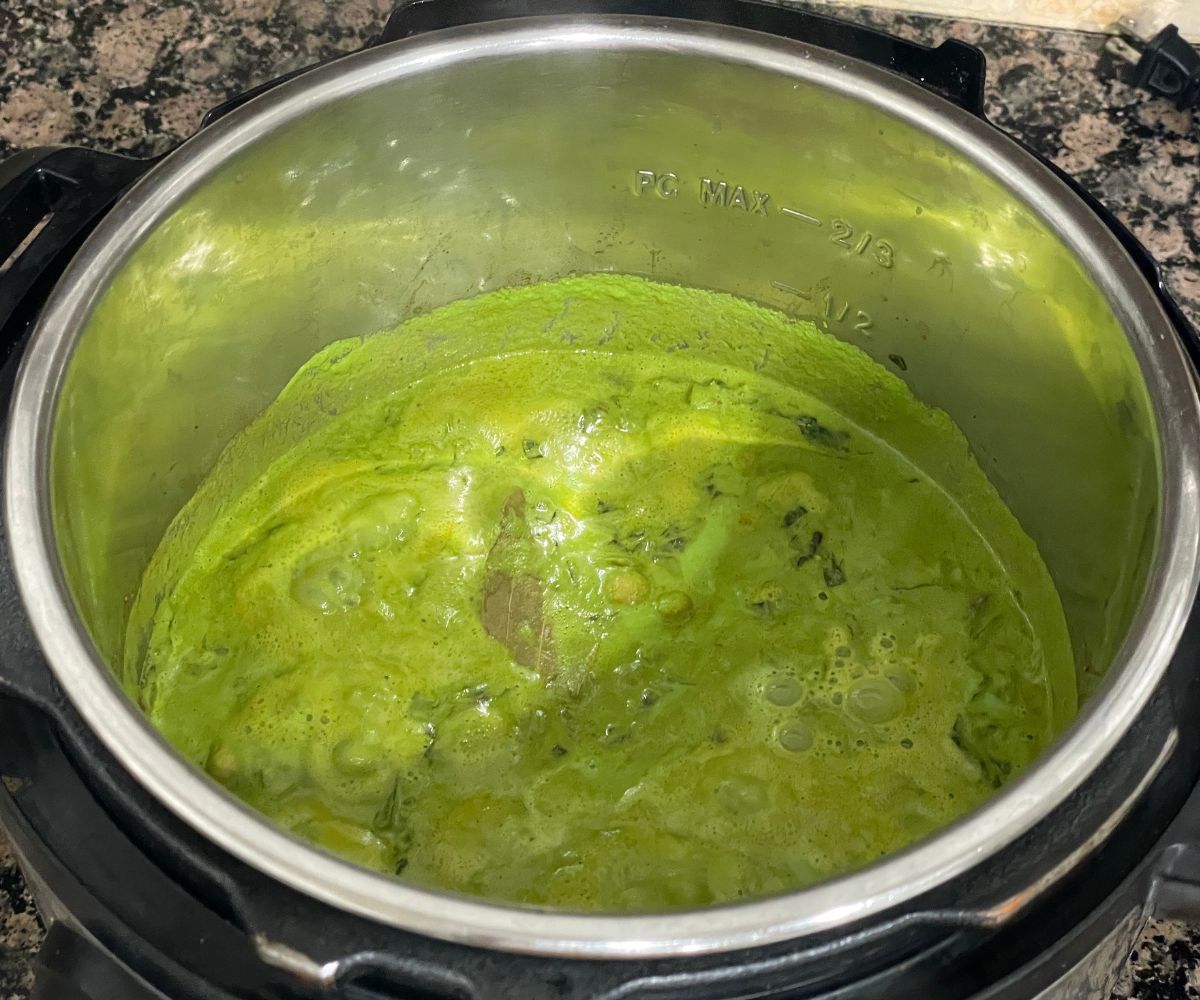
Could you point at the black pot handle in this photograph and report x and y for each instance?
(50, 197)
(1175, 894)
(235, 102)
(69, 967)
(24, 674)
(954, 70)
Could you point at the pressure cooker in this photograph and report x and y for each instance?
(817, 167)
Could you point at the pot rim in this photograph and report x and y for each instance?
(864, 893)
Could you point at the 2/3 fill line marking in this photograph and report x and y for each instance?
(812, 220)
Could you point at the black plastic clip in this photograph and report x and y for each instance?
(1166, 65)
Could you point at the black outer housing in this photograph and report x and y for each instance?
(160, 912)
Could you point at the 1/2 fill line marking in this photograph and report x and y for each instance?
(791, 288)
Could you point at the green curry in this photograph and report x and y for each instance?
(604, 629)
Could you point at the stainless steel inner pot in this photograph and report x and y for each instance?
(425, 171)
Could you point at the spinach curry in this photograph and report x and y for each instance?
(615, 630)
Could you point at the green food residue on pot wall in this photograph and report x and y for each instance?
(610, 624)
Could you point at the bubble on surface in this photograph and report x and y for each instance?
(796, 737)
(742, 795)
(380, 521)
(331, 586)
(875, 700)
(783, 692)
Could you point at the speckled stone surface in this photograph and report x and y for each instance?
(137, 76)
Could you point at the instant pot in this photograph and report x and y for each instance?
(814, 166)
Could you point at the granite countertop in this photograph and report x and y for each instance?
(136, 76)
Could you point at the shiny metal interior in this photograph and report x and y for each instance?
(531, 166)
(411, 176)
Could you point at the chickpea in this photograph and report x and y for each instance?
(626, 586)
(222, 763)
